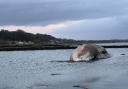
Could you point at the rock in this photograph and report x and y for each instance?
(122, 54)
(55, 74)
(78, 86)
(89, 52)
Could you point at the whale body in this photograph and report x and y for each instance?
(89, 52)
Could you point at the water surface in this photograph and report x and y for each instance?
(40, 70)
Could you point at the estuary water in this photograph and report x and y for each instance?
(43, 69)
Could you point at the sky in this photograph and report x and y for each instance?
(72, 19)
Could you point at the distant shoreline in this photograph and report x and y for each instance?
(53, 47)
(21, 40)
(34, 48)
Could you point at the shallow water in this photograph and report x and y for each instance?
(40, 70)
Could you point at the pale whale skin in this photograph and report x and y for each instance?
(89, 52)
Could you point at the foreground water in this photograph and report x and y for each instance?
(40, 70)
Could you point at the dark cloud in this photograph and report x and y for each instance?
(43, 12)
(98, 19)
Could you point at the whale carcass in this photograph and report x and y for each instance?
(89, 52)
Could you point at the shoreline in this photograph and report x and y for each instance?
(35, 48)
(24, 48)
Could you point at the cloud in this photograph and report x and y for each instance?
(44, 12)
(77, 19)
(36, 29)
(100, 28)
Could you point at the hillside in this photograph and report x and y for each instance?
(21, 40)
(23, 36)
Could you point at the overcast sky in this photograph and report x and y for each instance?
(77, 19)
